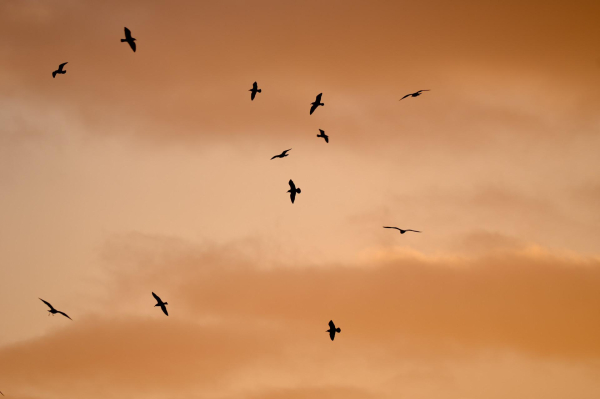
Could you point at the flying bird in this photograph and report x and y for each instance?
(54, 311)
(415, 94)
(316, 103)
(1, 393)
(254, 90)
(160, 303)
(293, 190)
(60, 70)
(322, 134)
(401, 231)
(282, 155)
(332, 330)
(129, 39)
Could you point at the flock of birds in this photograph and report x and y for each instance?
(293, 189)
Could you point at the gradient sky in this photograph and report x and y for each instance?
(150, 171)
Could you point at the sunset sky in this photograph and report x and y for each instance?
(151, 171)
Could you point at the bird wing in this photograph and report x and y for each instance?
(331, 325)
(51, 307)
(253, 95)
(64, 314)
(157, 298)
(132, 45)
(318, 99)
(326, 137)
(62, 65)
(423, 90)
(408, 95)
(285, 151)
(54, 74)
(276, 156)
(314, 106)
(388, 227)
(127, 34)
(416, 231)
(332, 334)
(293, 196)
(322, 131)
(164, 309)
(254, 86)
(292, 185)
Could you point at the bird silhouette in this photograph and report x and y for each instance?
(161, 303)
(54, 311)
(129, 39)
(401, 231)
(322, 134)
(254, 90)
(282, 155)
(332, 330)
(60, 70)
(415, 94)
(1, 393)
(316, 103)
(293, 190)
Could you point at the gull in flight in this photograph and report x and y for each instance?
(332, 330)
(161, 303)
(54, 311)
(282, 155)
(293, 190)
(401, 231)
(415, 94)
(254, 90)
(129, 39)
(322, 134)
(60, 70)
(316, 103)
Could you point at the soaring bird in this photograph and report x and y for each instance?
(415, 94)
(161, 303)
(293, 190)
(316, 103)
(282, 155)
(60, 70)
(401, 231)
(322, 134)
(54, 311)
(254, 90)
(332, 330)
(129, 39)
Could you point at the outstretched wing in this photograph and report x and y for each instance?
(423, 90)
(332, 334)
(326, 137)
(285, 152)
(293, 196)
(164, 309)
(132, 45)
(314, 106)
(408, 95)
(254, 86)
(157, 298)
(292, 186)
(253, 94)
(50, 306)
(62, 65)
(127, 34)
(388, 227)
(416, 231)
(318, 100)
(331, 325)
(64, 314)
(54, 74)
(275, 156)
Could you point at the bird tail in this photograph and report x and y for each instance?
(298, 191)
(259, 90)
(123, 40)
(338, 329)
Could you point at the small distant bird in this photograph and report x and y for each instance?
(129, 39)
(332, 330)
(282, 155)
(316, 103)
(415, 94)
(326, 137)
(254, 90)
(161, 303)
(54, 311)
(401, 231)
(60, 70)
(293, 190)
(1, 393)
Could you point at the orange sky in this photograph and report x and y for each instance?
(145, 172)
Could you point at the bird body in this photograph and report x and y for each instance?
(415, 94)
(254, 90)
(316, 103)
(400, 230)
(54, 311)
(332, 330)
(60, 70)
(322, 134)
(293, 190)
(130, 40)
(161, 304)
(282, 155)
